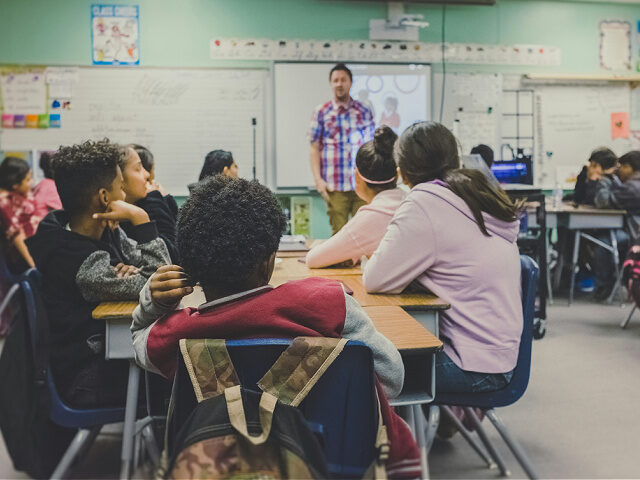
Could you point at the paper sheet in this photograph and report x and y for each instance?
(619, 125)
(615, 45)
(24, 93)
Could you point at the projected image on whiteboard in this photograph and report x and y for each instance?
(397, 94)
(395, 100)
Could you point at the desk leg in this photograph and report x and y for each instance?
(420, 425)
(130, 420)
(616, 262)
(574, 263)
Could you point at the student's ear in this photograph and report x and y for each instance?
(225, 171)
(267, 267)
(104, 198)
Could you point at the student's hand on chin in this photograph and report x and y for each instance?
(168, 285)
(120, 211)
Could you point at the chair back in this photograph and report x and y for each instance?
(341, 408)
(60, 412)
(517, 386)
(8, 287)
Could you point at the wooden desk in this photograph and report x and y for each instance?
(402, 329)
(292, 268)
(392, 321)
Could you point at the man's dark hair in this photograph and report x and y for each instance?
(485, 151)
(604, 157)
(226, 229)
(341, 67)
(46, 164)
(13, 170)
(146, 157)
(631, 158)
(214, 163)
(82, 170)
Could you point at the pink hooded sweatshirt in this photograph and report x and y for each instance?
(435, 240)
(361, 235)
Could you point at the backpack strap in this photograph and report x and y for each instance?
(209, 366)
(300, 367)
(235, 408)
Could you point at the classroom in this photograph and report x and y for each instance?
(319, 238)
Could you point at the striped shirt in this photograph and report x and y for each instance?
(340, 130)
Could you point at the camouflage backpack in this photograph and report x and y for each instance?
(234, 432)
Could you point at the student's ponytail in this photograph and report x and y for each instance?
(428, 151)
(374, 160)
(480, 195)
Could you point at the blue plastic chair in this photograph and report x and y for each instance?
(8, 287)
(512, 392)
(88, 421)
(341, 408)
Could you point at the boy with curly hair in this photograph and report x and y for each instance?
(86, 259)
(228, 235)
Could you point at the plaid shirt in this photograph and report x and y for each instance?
(17, 214)
(340, 130)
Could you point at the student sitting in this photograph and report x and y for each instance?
(375, 180)
(455, 235)
(621, 191)
(217, 162)
(148, 163)
(45, 194)
(602, 163)
(228, 234)
(136, 189)
(485, 151)
(18, 215)
(85, 261)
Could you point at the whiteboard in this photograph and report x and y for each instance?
(300, 87)
(571, 121)
(179, 114)
(472, 107)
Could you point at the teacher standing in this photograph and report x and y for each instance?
(338, 128)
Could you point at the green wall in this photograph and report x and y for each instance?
(177, 33)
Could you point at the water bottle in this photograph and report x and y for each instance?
(556, 198)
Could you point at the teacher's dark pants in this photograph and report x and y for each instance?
(340, 206)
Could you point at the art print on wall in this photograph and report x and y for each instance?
(615, 45)
(115, 34)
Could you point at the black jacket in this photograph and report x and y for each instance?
(163, 211)
(77, 274)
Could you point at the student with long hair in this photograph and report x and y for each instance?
(375, 180)
(455, 235)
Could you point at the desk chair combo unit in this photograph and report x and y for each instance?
(88, 422)
(510, 394)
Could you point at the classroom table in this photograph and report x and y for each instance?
(410, 321)
(578, 218)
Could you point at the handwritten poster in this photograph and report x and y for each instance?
(24, 93)
(115, 34)
(615, 45)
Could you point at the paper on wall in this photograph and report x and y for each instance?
(615, 45)
(24, 93)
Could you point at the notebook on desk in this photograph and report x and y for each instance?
(293, 243)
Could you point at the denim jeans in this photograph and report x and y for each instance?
(450, 378)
